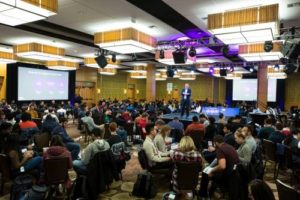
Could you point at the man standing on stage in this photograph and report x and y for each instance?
(186, 93)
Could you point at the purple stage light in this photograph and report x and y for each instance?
(211, 70)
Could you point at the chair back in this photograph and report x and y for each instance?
(117, 149)
(129, 128)
(269, 148)
(187, 175)
(56, 170)
(286, 192)
(288, 155)
(86, 128)
(5, 167)
(143, 159)
(176, 134)
(197, 137)
(41, 140)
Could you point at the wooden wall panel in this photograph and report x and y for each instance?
(292, 91)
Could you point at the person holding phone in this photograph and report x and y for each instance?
(21, 159)
(186, 93)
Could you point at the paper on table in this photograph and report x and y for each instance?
(208, 170)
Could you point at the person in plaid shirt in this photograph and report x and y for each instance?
(186, 152)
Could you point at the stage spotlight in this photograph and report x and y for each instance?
(251, 69)
(192, 72)
(211, 70)
(170, 73)
(113, 58)
(268, 46)
(161, 54)
(225, 50)
(179, 56)
(276, 67)
(101, 61)
(231, 68)
(192, 52)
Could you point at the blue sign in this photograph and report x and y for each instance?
(228, 112)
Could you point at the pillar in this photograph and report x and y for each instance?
(150, 83)
(216, 88)
(262, 86)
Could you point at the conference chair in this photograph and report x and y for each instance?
(286, 192)
(56, 173)
(107, 133)
(288, 155)
(41, 141)
(144, 162)
(5, 172)
(269, 149)
(197, 137)
(188, 175)
(87, 133)
(129, 129)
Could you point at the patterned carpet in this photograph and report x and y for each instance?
(121, 190)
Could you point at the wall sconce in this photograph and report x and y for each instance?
(169, 91)
(125, 91)
(137, 91)
(98, 91)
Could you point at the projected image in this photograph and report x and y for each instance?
(37, 84)
(246, 90)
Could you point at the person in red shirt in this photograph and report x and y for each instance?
(142, 124)
(27, 123)
(195, 126)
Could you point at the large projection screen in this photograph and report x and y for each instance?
(246, 90)
(40, 84)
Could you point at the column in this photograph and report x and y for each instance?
(150, 83)
(216, 88)
(262, 86)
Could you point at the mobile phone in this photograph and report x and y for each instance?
(22, 169)
(209, 143)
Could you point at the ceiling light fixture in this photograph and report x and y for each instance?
(62, 65)
(257, 24)
(7, 57)
(39, 51)
(107, 71)
(16, 12)
(125, 41)
(192, 52)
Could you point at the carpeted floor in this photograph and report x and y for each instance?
(121, 190)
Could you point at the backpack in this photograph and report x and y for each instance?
(144, 186)
(79, 190)
(36, 193)
(21, 185)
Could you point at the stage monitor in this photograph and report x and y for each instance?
(246, 90)
(42, 84)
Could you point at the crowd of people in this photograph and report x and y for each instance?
(224, 146)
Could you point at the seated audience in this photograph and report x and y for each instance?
(27, 123)
(277, 136)
(195, 126)
(160, 138)
(294, 144)
(114, 138)
(50, 112)
(33, 113)
(210, 130)
(49, 124)
(186, 153)
(99, 144)
(122, 133)
(259, 190)
(221, 119)
(141, 123)
(229, 135)
(21, 160)
(176, 124)
(227, 157)
(5, 130)
(90, 122)
(203, 119)
(156, 158)
(10, 118)
(247, 131)
(244, 150)
(60, 130)
(266, 131)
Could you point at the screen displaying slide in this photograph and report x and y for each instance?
(39, 84)
(246, 90)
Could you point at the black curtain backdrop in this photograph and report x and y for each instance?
(280, 94)
(12, 80)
